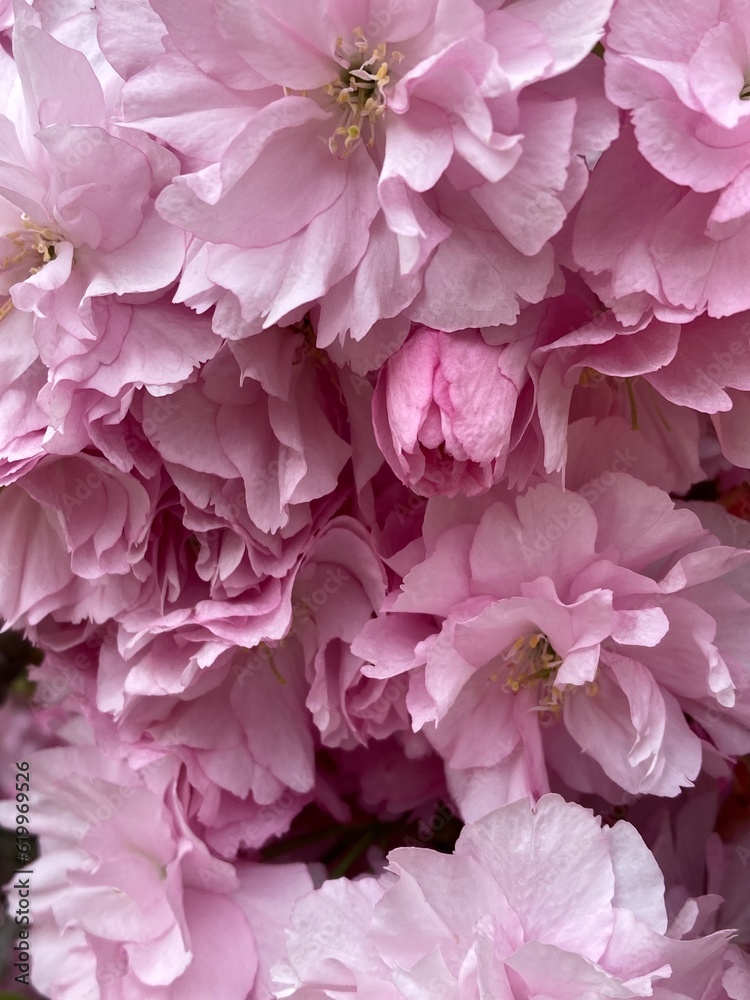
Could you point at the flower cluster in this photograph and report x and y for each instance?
(374, 450)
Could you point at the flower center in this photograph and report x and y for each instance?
(532, 662)
(359, 89)
(29, 249)
(745, 92)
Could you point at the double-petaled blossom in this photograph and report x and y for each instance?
(533, 903)
(444, 410)
(80, 238)
(572, 631)
(664, 224)
(369, 374)
(361, 152)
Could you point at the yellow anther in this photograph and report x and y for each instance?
(533, 663)
(633, 404)
(359, 90)
(34, 246)
(588, 376)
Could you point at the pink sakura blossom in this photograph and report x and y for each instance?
(69, 243)
(174, 620)
(530, 631)
(648, 247)
(696, 862)
(191, 535)
(252, 459)
(455, 413)
(60, 395)
(339, 587)
(683, 74)
(253, 774)
(348, 360)
(75, 237)
(444, 409)
(359, 153)
(678, 185)
(73, 542)
(705, 875)
(86, 541)
(542, 902)
(663, 451)
(129, 902)
(243, 733)
(145, 349)
(242, 720)
(659, 376)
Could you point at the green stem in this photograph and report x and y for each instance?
(633, 404)
(354, 852)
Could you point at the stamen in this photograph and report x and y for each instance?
(660, 415)
(275, 670)
(533, 663)
(589, 376)
(35, 245)
(633, 403)
(359, 90)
